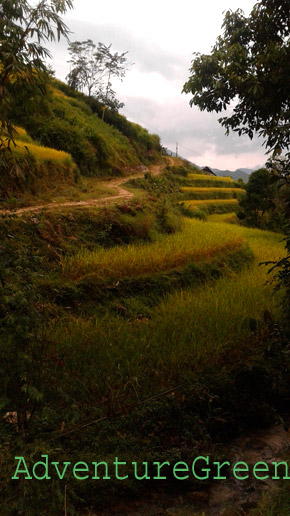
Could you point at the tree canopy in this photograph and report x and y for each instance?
(93, 67)
(24, 29)
(249, 69)
(259, 198)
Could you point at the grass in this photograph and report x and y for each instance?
(196, 242)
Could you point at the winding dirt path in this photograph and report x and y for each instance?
(122, 194)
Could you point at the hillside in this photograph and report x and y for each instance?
(61, 138)
(134, 328)
(136, 320)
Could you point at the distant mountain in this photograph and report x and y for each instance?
(240, 173)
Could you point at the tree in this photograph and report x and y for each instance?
(259, 198)
(87, 66)
(250, 66)
(24, 29)
(93, 68)
(115, 66)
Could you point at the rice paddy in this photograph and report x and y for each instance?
(199, 192)
(42, 153)
(196, 202)
(195, 243)
(213, 179)
(199, 189)
(188, 328)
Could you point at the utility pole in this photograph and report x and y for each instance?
(177, 149)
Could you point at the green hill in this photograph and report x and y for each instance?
(68, 121)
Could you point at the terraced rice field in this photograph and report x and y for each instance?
(199, 189)
(213, 179)
(168, 252)
(196, 202)
(199, 192)
(210, 194)
(188, 327)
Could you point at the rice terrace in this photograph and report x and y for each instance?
(144, 299)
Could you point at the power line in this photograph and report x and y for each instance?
(159, 132)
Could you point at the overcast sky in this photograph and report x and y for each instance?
(160, 37)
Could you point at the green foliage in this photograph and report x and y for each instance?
(184, 170)
(143, 142)
(69, 124)
(259, 198)
(249, 61)
(93, 68)
(24, 28)
(158, 185)
(33, 175)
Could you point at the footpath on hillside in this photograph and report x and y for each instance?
(122, 194)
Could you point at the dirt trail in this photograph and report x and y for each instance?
(122, 194)
(223, 498)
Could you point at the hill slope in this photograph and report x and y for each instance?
(67, 121)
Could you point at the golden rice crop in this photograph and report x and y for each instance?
(223, 217)
(198, 241)
(197, 189)
(22, 135)
(188, 328)
(43, 153)
(209, 201)
(204, 177)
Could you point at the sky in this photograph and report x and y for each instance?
(160, 37)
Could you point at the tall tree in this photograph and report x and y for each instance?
(93, 68)
(116, 66)
(24, 29)
(87, 66)
(250, 66)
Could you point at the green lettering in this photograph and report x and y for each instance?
(60, 475)
(207, 470)
(276, 464)
(18, 471)
(78, 467)
(180, 466)
(159, 466)
(45, 476)
(117, 464)
(97, 464)
(237, 469)
(219, 466)
(262, 467)
(146, 476)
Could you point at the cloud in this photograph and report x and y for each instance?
(160, 39)
(199, 135)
